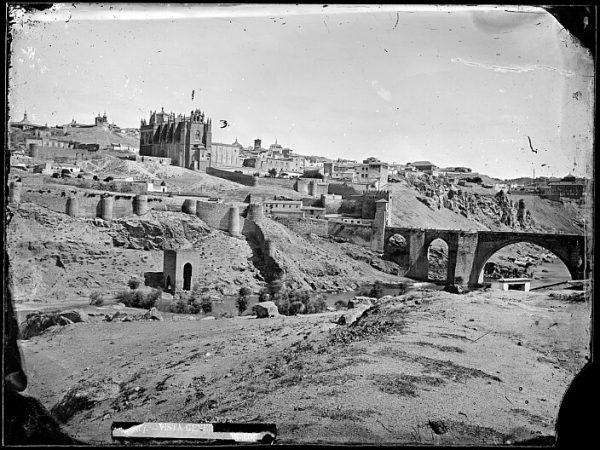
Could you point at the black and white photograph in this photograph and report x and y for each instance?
(298, 224)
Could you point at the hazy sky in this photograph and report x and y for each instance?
(456, 86)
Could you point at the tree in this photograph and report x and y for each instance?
(242, 300)
(206, 304)
(273, 172)
(377, 290)
(133, 283)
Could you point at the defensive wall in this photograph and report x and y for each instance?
(346, 190)
(44, 152)
(218, 215)
(283, 182)
(247, 180)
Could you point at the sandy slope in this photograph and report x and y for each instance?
(491, 366)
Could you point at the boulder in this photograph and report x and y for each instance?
(265, 309)
(153, 314)
(75, 316)
(352, 315)
(117, 316)
(36, 324)
(62, 320)
(454, 289)
(353, 303)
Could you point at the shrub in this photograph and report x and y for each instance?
(96, 299)
(263, 295)
(125, 297)
(206, 304)
(149, 300)
(376, 290)
(133, 283)
(316, 305)
(242, 304)
(178, 306)
(341, 304)
(296, 308)
(139, 299)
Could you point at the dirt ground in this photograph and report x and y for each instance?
(486, 367)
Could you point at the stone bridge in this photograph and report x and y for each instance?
(468, 251)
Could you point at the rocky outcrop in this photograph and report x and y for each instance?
(158, 231)
(36, 323)
(496, 209)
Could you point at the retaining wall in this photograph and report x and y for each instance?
(283, 182)
(247, 180)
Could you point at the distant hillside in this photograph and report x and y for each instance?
(101, 136)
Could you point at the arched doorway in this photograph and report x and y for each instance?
(525, 260)
(437, 257)
(187, 277)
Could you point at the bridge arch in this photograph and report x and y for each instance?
(437, 269)
(569, 250)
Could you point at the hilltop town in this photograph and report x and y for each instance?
(158, 252)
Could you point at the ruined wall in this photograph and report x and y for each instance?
(306, 226)
(247, 180)
(356, 233)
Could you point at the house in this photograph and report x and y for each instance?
(424, 166)
(568, 187)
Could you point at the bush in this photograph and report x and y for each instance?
(377, 290)
(125, 297)
(263, 295)
(341, 304)
(96, 299)
(206, 304)
(296, 308)
(133, 283)
(178, 306)
(242, 300)
(316, 305)
(139, 299)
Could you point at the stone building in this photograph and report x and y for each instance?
(181, 138)
(225, 155)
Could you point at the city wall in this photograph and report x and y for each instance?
(217, 215)
(42, 152)
(283, 182)
(247, 180)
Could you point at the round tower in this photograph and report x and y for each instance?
(14, 193)
(189, 206)
(107, 204)
(140, 205)
(234, 221)
(256, 212)
(73, 206)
